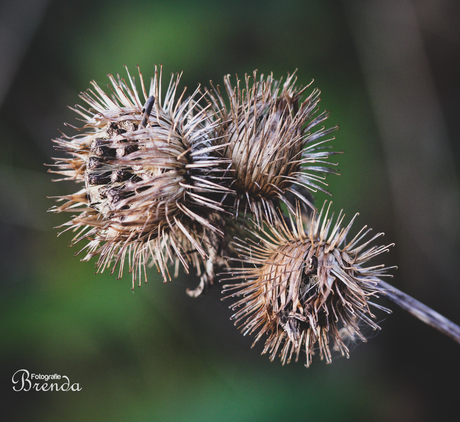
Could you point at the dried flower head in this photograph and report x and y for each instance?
(303, 289)
(169, 181)
(149, 174)
(276, 152)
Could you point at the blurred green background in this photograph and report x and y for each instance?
(388, 71)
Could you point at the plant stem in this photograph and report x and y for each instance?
(421, 311)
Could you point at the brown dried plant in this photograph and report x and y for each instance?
(277, 149)
(149, 174)
(305, 288)
(175, 181)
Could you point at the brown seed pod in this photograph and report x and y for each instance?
(277, 152)
(304, 289)
(150, 176)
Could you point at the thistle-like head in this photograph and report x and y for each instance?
(306, 288)
(149, 175)
(277, 149)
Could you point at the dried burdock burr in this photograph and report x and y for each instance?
(277, 147)
(179, 180)
(149, 177)
(307, 289)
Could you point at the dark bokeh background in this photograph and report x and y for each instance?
(388, 71)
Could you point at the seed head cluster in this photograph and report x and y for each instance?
(222, 183)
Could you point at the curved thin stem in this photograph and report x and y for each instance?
(421, 311)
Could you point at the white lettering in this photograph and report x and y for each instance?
(22, 382)
(25, 383)
(76, 387)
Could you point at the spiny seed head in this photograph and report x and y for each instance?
(275, 147)
(148, 172)
(304, 288)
